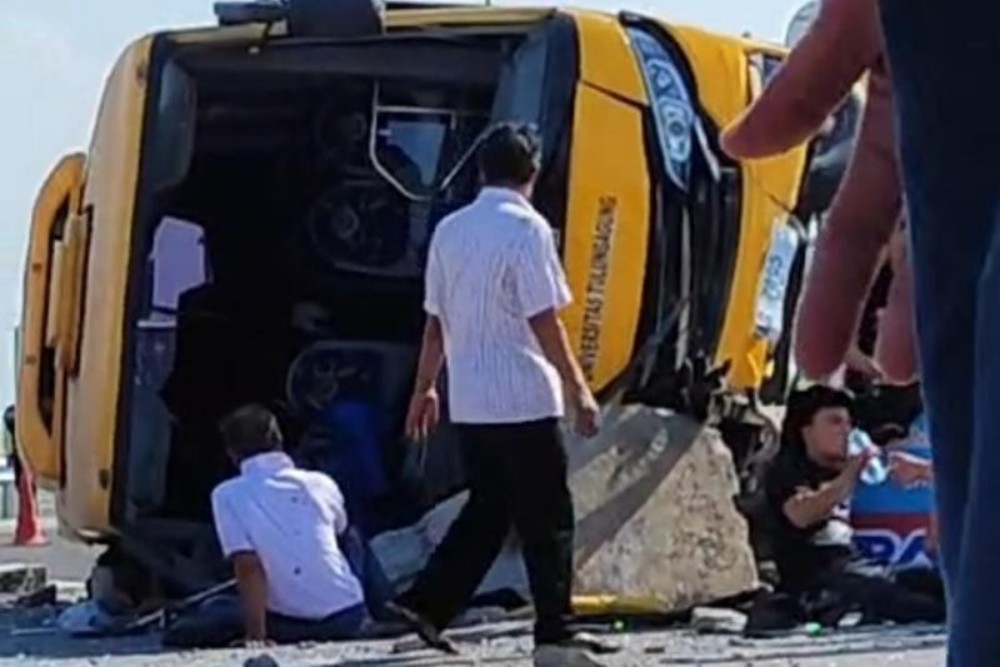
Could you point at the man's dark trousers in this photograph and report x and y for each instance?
(944, 58)
(517, 477)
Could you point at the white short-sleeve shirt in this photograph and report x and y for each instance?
(290, 518)
(493, 265)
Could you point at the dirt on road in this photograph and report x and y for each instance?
(30, 638)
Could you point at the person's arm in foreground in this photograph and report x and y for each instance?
(551, 334)
(811, 506)
(252, 584)
(424, 410)
(843, 44)
(907, 470)
(542, 291)
(431, 356)
(552, 338)
(251, 580)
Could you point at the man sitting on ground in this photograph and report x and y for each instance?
(809, 488)
(279, 525)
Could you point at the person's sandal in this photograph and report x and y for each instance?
(424, 629)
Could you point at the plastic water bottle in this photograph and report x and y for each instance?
(876, 471)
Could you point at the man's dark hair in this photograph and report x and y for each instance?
(510, 154)
(8, 419)
(802, 407)
(250, 430)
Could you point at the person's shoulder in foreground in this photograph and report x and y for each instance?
(446, 225)
(227, 490)
(324, 490)
(539, 233)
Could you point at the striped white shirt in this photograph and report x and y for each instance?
(493, 265)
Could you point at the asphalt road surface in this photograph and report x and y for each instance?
(33, 644)
(66, 561)
(31, 639)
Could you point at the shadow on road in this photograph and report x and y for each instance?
(429, 661)
(51, 643)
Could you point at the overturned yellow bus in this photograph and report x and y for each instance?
(250, 220)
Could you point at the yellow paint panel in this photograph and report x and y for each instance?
(606, 57)
(41, 447)
(720, 66)
(607, 228)
(92, 396)
(770, 188)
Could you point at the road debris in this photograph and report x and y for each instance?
(717, 621)
(42, 597)
(22, 578)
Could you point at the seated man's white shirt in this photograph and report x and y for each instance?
(493, 265)
(290, 518)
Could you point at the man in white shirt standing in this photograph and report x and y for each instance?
(494, 287)
(279, 525)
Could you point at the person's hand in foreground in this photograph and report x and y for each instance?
(551, 336)
(587, 414)
(423, 414)
(907, 470)
(424, 411)
(856, 464)
(860, 362)
(842, 45)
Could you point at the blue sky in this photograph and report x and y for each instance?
(54, 55)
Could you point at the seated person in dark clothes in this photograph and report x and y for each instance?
(808, 488)
(279, 525)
